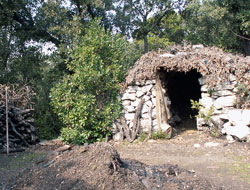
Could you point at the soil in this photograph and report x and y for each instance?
(183, 162)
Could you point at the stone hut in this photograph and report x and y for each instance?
(159, 88)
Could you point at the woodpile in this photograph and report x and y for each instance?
(22, 132)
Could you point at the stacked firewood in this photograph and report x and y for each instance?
(22, 132)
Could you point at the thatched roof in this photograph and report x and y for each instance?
(211, 62)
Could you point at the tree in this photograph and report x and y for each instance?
(218, 23)
(132, 17)
(86, 99)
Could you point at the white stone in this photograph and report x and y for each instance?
(144, 109)
(129, 116)
(211, 144)
(134, 87)
(200, 46)
(204, 95)
(232, 78)
(118, 137)
(202, 80)
(238, 116)
(204, 88)
(147, 88)
(165, 127)
(146, 98)
(207, 102)
(136, 102)
(128, 96)
(130, 109)
(239, 131)
(223, 93)
(197, 145)
(130, 90)
(149, 103)
(139, 94)
(145, 115)
(225, 86)
(246, 117)
(154, 113)
(227, 101)
(230, 139)
(154, 101)
(153, 92)
(145, 123)
(126, 102)
(181, 53)
(167, 55)
(150, 82)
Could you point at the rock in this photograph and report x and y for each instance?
(117, 137)
(226, 125)
(167, 55)
(149, 82)
(207, 102)
(223, 93)
(239, 131)
(126, 102)
(128, 96)
(139, 94)
(136, 102)
(165, 127)
(197, 145)
(238, 116)
(211, 144)
(204, 88)
(145, 116)
(130, 90)
(130, 109)
(232, 78)
(200, 46)
(227, 101)
(230, 139)
(144, 109)
(129, 116)
(154, 101)
(154, 113)
(147, 88)
(146, 98)
(205, 95)
(153, 92)
(145, 124)
(202, 81)
(149, 103)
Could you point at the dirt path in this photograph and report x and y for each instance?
(227, 165)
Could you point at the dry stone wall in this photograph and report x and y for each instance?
(132, 97)
(232, 122)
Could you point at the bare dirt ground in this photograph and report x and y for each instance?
(226, 165)
(141, 165)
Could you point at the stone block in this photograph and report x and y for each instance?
(202, 81)
(144, 109)
(167, 55)
(149, 103)
(126, 102)
(150, 82)
(147, 88)
(207, 102)
(139, 94)
(128, 96)
(130, 109)
(223, 93)
(239, 131)
(146, 98)
(129, 116)
(227, 101)
(204, 88)
(136, 102)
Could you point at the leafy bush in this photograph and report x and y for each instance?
(159, 135)
(86, 100)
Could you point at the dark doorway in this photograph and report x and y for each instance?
(181, 87)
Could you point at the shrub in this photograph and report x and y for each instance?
(86, 100)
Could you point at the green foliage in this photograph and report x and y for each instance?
(202, 112)
(86, 100)
(159, 135)
(243, 95)
(143, 136)
(224, 24)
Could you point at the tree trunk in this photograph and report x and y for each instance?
(145, 37)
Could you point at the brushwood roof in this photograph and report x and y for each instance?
(210, 62)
